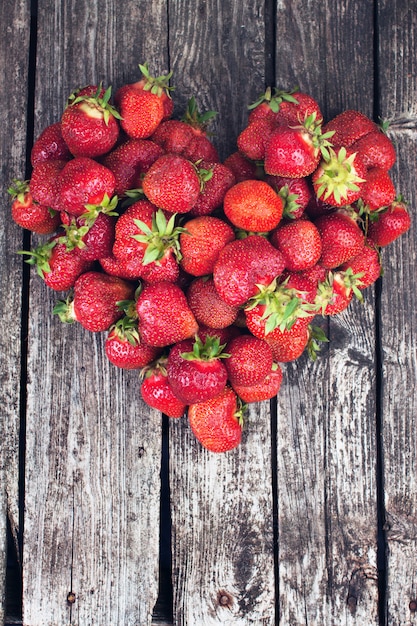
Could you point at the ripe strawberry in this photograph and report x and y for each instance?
(285, 108)
(57, 266)
(224, 335)
(157, 392)
(172, 183)
(89, 123)
(296, 193)
(376, 149)
(299, 242)
(288, 344)
(124, 348)
(95, 301)
(219, 179)
(31, 215)
(242, 168)
(94, 238)
(348, 127)
(164, 315)
(366, 264)
(129, 269)
(267, 388)
(378, 190)
(44, 184)
(295, 151)
(217, 423)
(243, 265)
(50, 146)
(253, 206)
(195, 369)
(253, 140)
(336, 292)
(341, 238)
(208, 308)
(250, 360)
(339, 179)
(130, 161)
(84, 181)
(390, 224)
(201, 242)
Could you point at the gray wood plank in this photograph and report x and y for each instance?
(221, 506)
(93, 448)
(398, 103)
(327, 521)
(14, 46)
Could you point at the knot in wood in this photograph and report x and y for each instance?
(224, 599)
(352, 602)
(413, 606)
(71, 597)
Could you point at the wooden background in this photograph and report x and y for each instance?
(313, 519)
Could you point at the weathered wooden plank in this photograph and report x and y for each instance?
(221, 505)
(14, 47)
(398, 103)
(327, 520)
(93, 448)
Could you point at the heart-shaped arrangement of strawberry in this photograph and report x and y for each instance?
(206, 276)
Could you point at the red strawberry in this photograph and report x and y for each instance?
(267, 388)
(94, 238)
(31, 215)
(201, 242)
(219, 179)
(44, 184)
(208, 308)
(300, 243)
(129, 162)
(341, 238)
(172, 183)
(348, 127)
(195, 369)
(288, 344)
(378, 190)
(57, 266)
(164, 315)
(296, 193)
(336, 292)
(224, 334)
(89, 124)
(243, 265)
(253, 206)
(250, 360)
(253, 140)
(129, 269)
(216, 423)
(339, 179)
(124, 348)
(95, 302)
(157, 392)
(376, 149)
(242, 168)
(84, 181)
(295, 151)
(366, 264)
(285, 108)
(391, 223)
(50, 146)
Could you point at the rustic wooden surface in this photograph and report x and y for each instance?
(313, 519)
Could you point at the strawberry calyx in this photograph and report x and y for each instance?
(163, 235)
(198, 121)
(65, 310)
(156, 84)
(283, 305)
(40, 257)
(19, 189)
(319, 140)
(208, 350)
(126, 329)
(291, 206)
(346, 280)
(316, 336)
(96, 105)
(107, 206)
(158, 366)
(339, 176)
(274, 97)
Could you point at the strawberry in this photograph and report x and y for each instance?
(50, 146)
(129, 269)
(253, 206)
(223, 334)
(250, 360)
(56, 265)
(243, 265)
(348, 127)
(391, 223)
(299, 242)
(93, 238)
(89, 123)
(376, 149)
(366, 264)
(217, 423)
(295, 151)
(157, 392)
(129, 162)
(201, 242)
(44, 184)
(339, 179)
(164, 315)
(288, 344)
(172, 183)
(84, 181)
(336, 293)
(378, 190)
(265, 389)
(220, 178)
(296, 193)
(253, 140)
(95, 301)
(341, 238)
(31, 215)
(284, 108)
(195, 369)
(208, 308)
(242, 168)
(124, 348)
